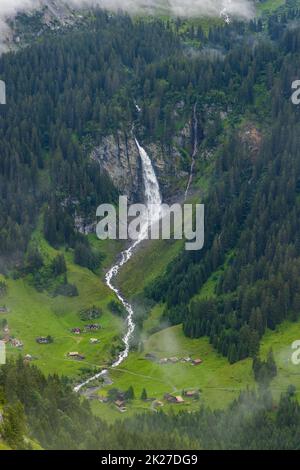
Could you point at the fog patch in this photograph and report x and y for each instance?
(184, 8)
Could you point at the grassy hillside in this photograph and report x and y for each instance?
(218, 381)
(151, 261)
(33, 314)
(154, 256)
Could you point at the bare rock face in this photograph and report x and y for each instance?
(83, 225)
(119, 156)
(252, 138)
(56, 11)
(48, 15)
(184, 137)
(167, 162)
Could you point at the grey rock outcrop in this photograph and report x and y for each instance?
(119, 156)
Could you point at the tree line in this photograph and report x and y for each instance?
(251, 256)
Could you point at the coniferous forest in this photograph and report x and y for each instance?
(46, 410)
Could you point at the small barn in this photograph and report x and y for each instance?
(197, 362)
(179, 399)
(191, 393)
(151, 357)
(76, 331)
(164, 360)
(174, 360)
(94, 341)
(42, 340)
(28, 358)
(76, 355)
(92, 327)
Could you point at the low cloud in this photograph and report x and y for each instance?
(185, 8)
(239, 8)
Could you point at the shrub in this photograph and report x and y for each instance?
(90, 313)
(86, 257)
(117, 308)
(66, 290)
(58, 265)
(3, 288)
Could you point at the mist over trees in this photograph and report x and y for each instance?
(48, 412)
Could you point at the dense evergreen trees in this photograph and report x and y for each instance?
(64, 94)
(14, 428)
(69, 90)
(252, 212)
(264, 371)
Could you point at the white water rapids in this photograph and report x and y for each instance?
(152, 201)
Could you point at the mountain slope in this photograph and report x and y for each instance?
(73, 96)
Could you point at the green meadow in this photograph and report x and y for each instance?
(218, 381)
(33, 314)
(281, 341)
(3, 446)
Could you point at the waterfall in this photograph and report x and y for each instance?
(195, 150)
(152, 192)
(153, 201)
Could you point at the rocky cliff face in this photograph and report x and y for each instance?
(119, 156)
(27, 24)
